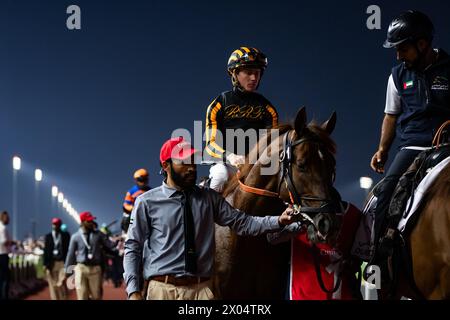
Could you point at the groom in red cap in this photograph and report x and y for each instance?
(55, 252)
(177, 221)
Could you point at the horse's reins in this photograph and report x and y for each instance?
(437, 137)
(296, 199)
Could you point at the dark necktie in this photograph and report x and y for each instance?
(189, 235)
(88, 241)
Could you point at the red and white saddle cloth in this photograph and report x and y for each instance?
(304, 284)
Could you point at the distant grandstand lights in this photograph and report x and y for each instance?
(77, 218)
(365, 183)
(66, 204)
(17, 163)
(54, 191)
(74, 215)
(38, 175)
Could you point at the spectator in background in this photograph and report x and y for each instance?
(141, 178)
(113, 269)
(85, 252)
(55, 252)
(5, 244)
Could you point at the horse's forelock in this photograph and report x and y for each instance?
(322, 135)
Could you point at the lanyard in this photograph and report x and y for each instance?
(86, 242)
(57, 239)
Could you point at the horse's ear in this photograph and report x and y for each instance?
(300, 121)
(329, 125)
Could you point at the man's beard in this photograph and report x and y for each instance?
(410, 65)
(413, 65)
(183, 181)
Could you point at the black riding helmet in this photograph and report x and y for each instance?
(409, 26)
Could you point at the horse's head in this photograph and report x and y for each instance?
(307, 174)
(304, 176)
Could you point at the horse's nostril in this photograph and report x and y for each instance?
(323, 225)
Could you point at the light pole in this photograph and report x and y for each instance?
(37, 179)
(17, 164)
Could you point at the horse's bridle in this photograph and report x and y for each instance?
(285, 174)
(296, 199)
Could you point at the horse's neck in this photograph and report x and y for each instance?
(253, 203)
(230, 197)
(256, 179)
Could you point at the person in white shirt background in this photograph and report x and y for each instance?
(5, 245)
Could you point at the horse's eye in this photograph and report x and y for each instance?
(301, 165)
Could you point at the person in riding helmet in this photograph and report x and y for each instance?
(241, 108)
(141, 178)
(417, 103)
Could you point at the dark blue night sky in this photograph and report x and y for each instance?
(89, 107)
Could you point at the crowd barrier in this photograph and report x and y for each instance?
(26, 275)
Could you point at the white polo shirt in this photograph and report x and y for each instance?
(393, 102)
(4, 238)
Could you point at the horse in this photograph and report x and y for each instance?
(250, 267)
(430, 241)
(421, 267)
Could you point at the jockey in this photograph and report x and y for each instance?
(417, 103)
(141, 179)
(240, 108)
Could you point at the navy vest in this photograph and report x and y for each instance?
(425, 101)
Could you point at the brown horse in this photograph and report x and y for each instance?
(430, 241)
(423, 270)
(425, 259)
(250, 267)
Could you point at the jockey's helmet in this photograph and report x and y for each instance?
(245, 57)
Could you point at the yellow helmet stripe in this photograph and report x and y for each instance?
(232, 58)
(238, 53)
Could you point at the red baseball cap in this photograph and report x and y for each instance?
(56, 221)
(176, 148)
(86, 216)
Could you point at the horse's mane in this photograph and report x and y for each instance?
(313, 129)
